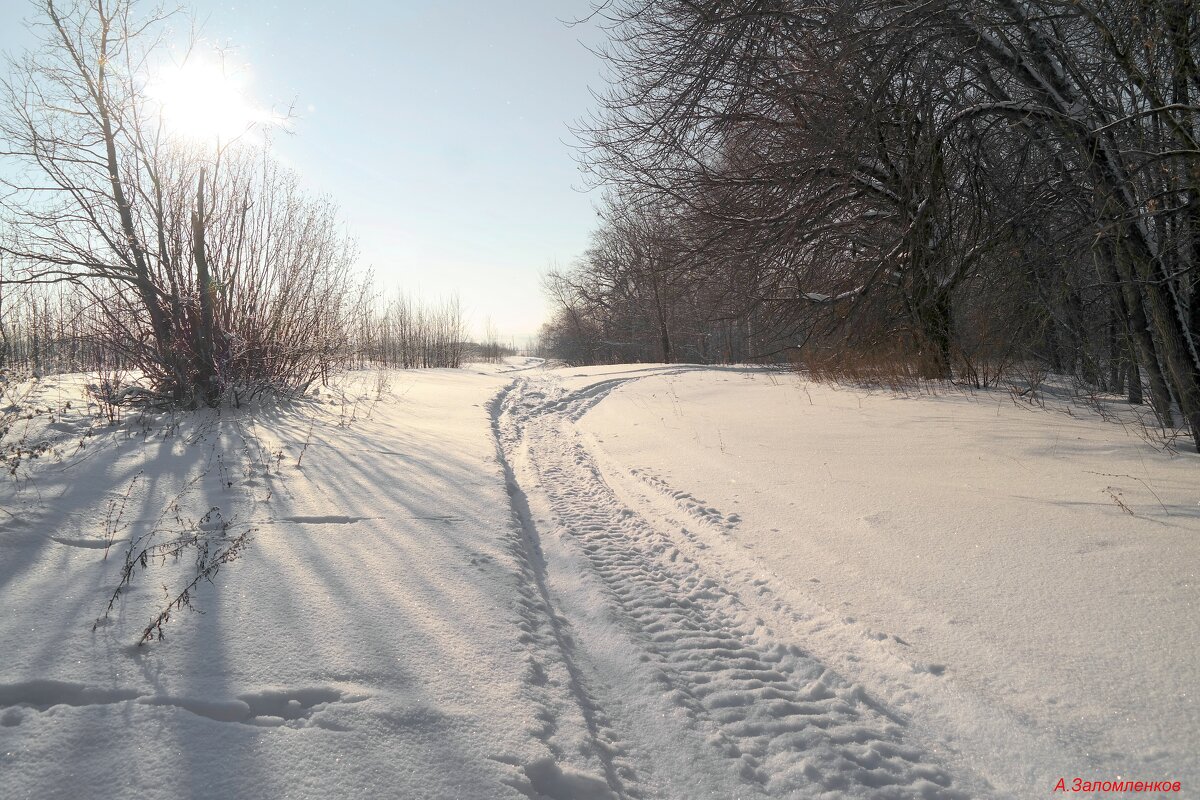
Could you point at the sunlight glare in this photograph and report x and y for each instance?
(201, 100)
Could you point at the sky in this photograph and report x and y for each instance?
(439, 128)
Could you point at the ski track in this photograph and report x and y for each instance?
(783, 723)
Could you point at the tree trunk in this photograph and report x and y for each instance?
(1141, 337)
(204, 345)
(935, 320)
(1134, 378)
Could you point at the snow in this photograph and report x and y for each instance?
(963, 555)
(617, 582)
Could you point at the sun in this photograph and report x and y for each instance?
(202, 99)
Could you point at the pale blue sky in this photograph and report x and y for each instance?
(440, 128)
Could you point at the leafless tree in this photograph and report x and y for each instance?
(974, 183)
(212, 269)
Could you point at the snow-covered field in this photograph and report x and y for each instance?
(622, 582)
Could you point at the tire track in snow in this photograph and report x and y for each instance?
(551, 650)
(784, 723)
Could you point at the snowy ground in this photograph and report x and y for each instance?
(630, 582)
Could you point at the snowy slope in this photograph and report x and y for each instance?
(965, 557)
(632, 582)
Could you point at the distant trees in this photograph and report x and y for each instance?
(642, 293)
(957, 185)
(409, 334)
(207, 265)
(490, 349)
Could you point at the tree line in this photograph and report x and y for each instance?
(953, 188)
(58, 329)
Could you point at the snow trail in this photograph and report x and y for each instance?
(547, 639)
(755, 712)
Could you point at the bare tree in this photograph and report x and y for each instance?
(214, 271)
(974, 183)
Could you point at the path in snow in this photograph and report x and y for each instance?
(727, 707)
